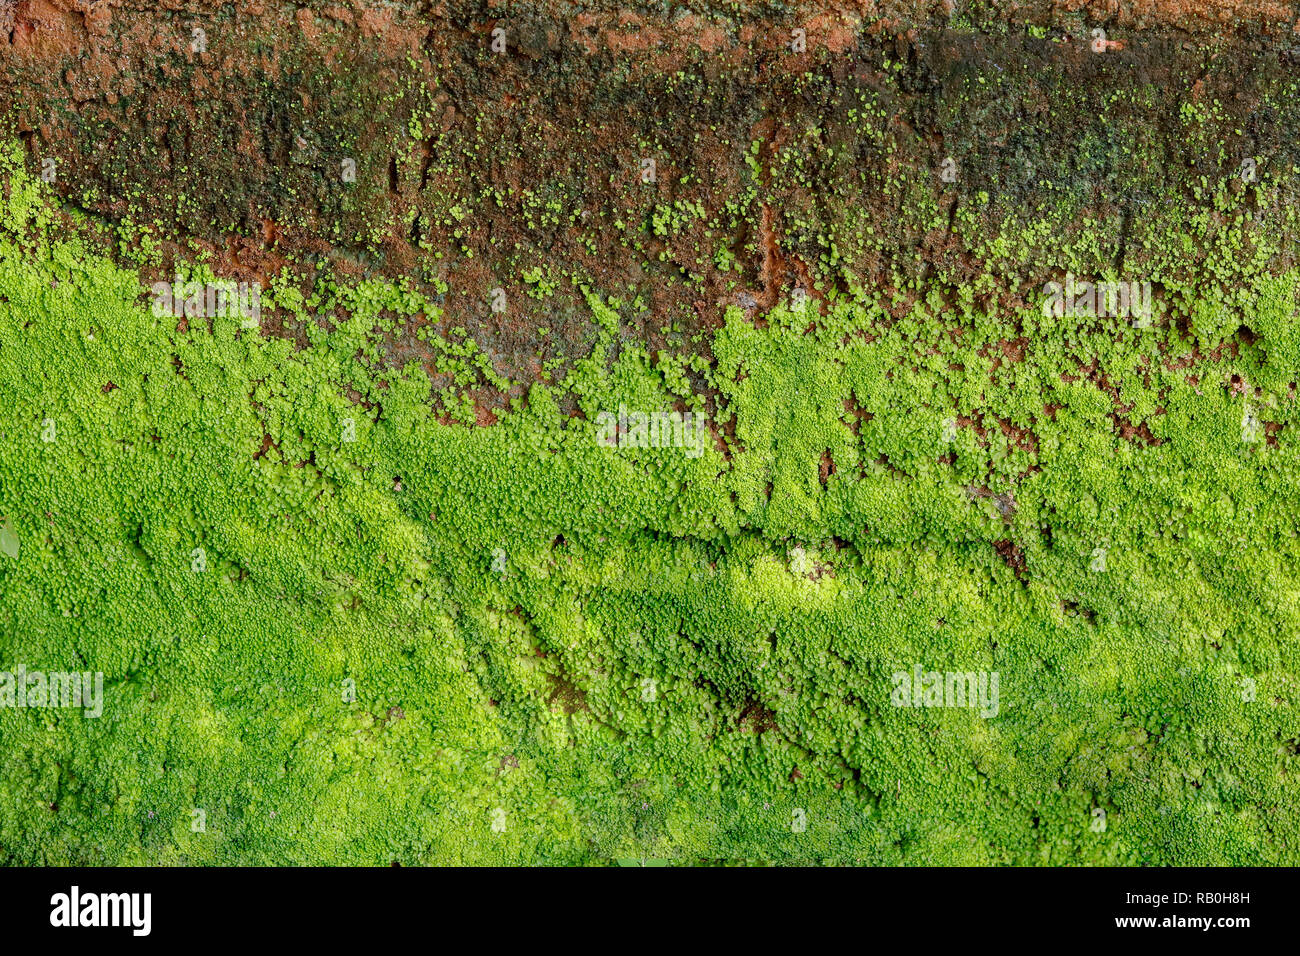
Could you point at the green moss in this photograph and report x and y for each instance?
(420, 641)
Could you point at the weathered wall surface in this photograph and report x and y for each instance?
(391, 139)
(562, 639)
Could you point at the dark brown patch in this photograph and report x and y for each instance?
(567, 695)
(757, 718)
(1010, 552)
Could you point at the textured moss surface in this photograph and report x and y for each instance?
(565, 652)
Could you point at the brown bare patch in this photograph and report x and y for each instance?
(858, 413)
(267, 444)
(756, 718)
(567, 695)
(1010, 552)
(826, 468)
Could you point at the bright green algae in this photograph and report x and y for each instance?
(500, 595)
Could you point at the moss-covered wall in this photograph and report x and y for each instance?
(499, 596)
(365, 578)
